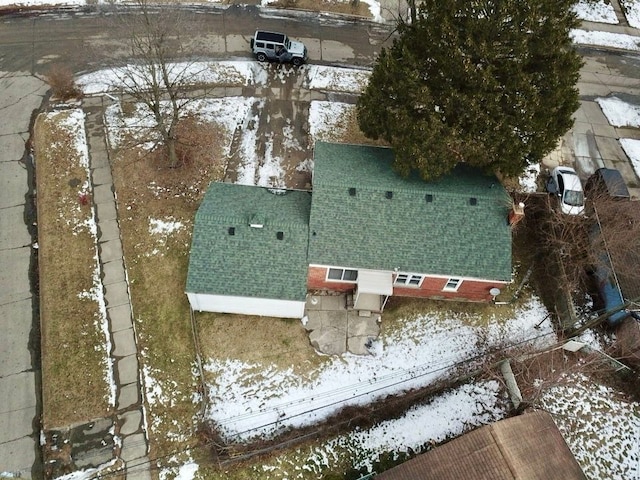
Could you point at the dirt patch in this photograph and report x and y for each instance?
(353, 134)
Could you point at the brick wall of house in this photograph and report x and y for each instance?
(469, 290)
(316, 280)
(431, 287)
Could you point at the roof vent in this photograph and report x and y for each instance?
(389, 195)
(428, 197)
(256, 221)
(473, 201)
(232, 230)
(280, 235)
(352, 192)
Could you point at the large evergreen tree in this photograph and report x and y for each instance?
(488, 82)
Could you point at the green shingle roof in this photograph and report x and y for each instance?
(252, 262)
(448, 235)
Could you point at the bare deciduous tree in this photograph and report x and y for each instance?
(160, 78)
(607, 236)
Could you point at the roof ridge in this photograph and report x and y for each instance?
(235, 221)
(479, 194)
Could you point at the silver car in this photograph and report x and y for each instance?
(565, 183)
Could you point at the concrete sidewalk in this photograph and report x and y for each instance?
(129, 419)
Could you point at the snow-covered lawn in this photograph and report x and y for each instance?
(600, 11)
(632, 12)
(449, 415)
(252, 400)
(631, 147)
(601, 428)
(336, 79)
(606, 39)
(622, 114)
(224, 73)
(619, 113)
(227, 73)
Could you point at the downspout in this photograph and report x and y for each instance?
(384, 303)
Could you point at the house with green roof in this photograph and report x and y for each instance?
(249, 251)
(364, 230)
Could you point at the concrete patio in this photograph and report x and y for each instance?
(335, 329)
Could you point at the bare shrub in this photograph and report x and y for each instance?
(196, 140)
(61, 81)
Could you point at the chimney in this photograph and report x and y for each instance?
(516, 214)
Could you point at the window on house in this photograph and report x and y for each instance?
(342, 274)
(453, 284)
(409, 279)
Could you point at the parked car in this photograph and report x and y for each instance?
(565, 183)
(277, 46)
(608, 182)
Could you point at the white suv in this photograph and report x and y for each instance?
(277, 46)
(564, 183)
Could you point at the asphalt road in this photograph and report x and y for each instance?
(31, 43)
(89, 40)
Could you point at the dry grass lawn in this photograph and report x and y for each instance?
(157, 268)
(74, 388)
(346, 130)
(279, 342)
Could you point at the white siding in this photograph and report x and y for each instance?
(266, 307)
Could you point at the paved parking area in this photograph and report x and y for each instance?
(335, 329)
